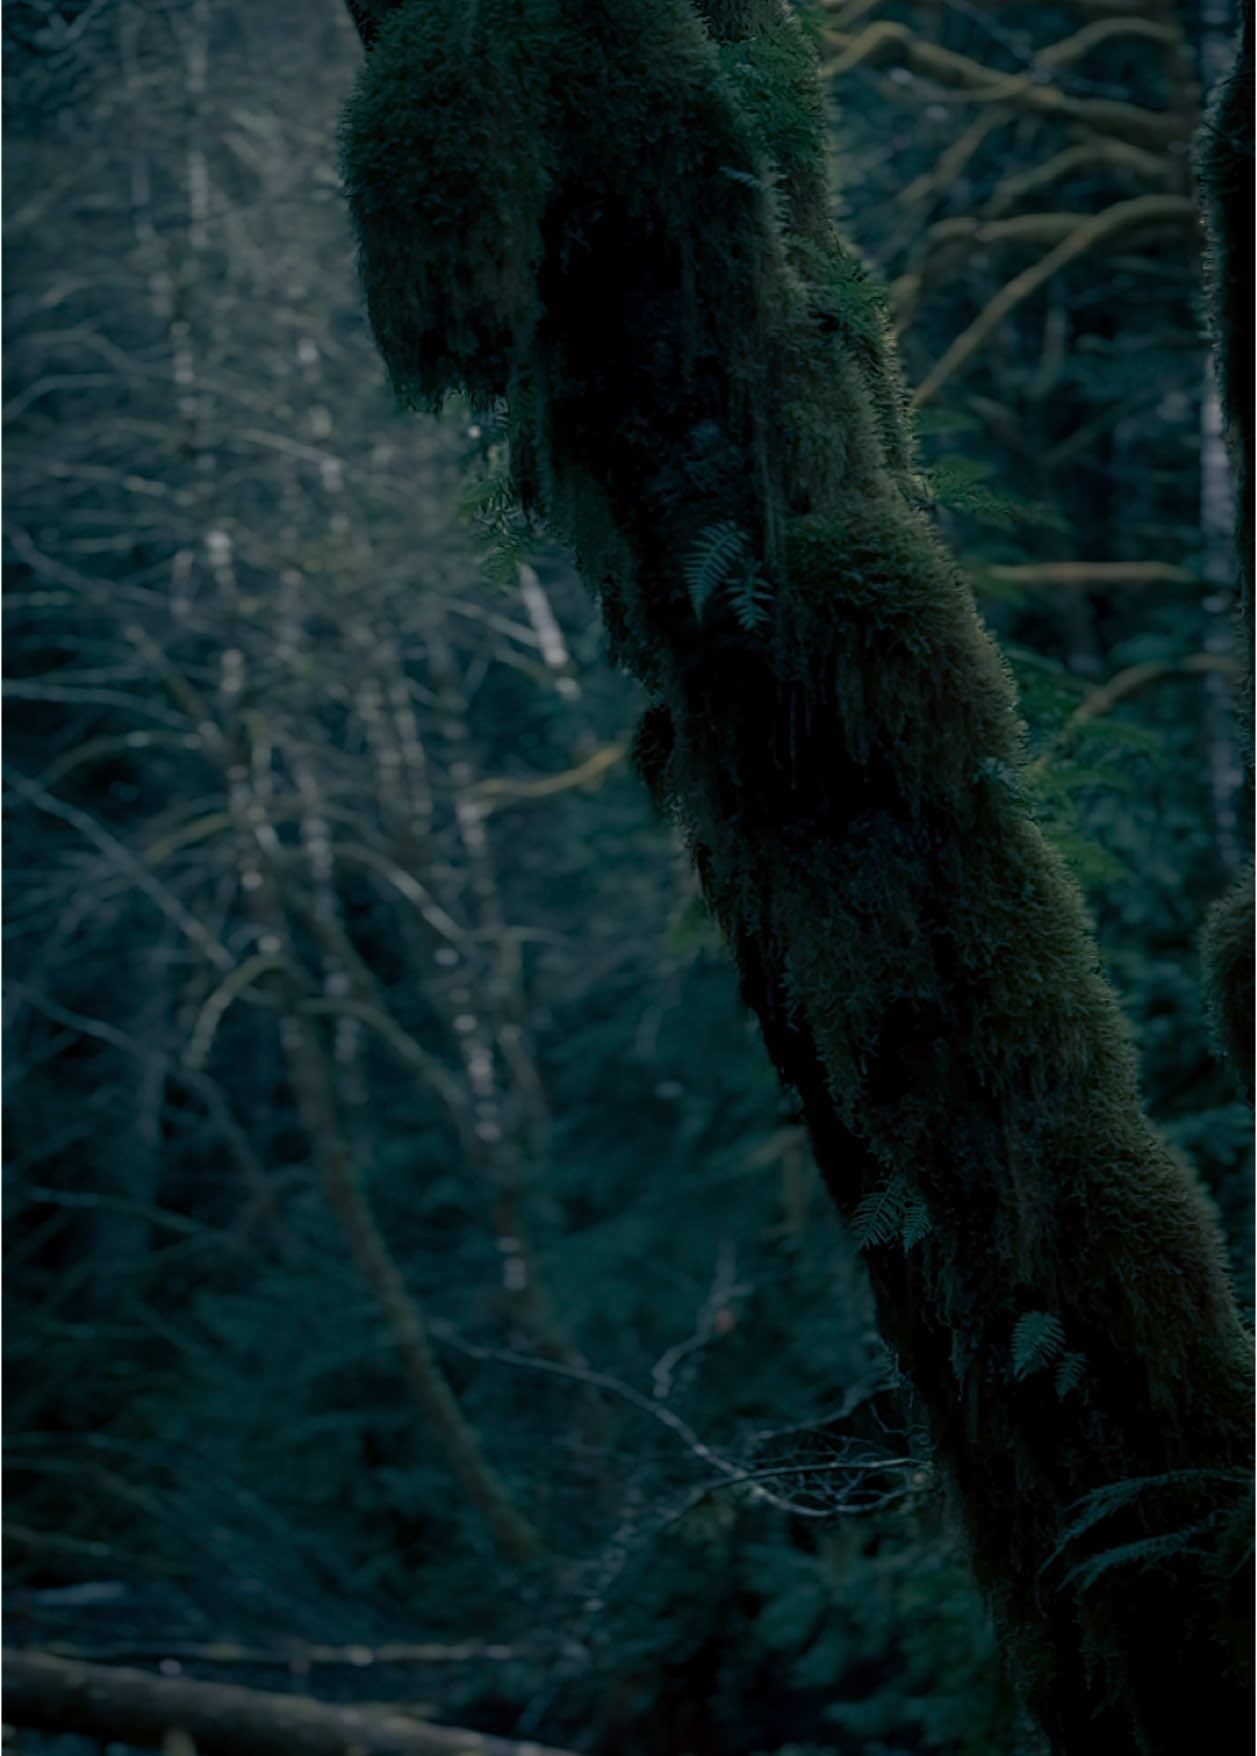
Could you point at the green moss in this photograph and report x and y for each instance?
(644, 267)
(447, 165)
(771, 79)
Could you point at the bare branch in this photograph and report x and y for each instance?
(1088, 575)
(121, 856)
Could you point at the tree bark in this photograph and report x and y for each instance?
(1226, 169)
(613, 215)
(58, 1695)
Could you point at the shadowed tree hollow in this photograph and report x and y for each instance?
(607, 222)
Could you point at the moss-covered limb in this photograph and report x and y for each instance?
(1129, 681)
(1117, 155)
(983, 84)
(1090, 575)
(612, 214)
(1092, 232)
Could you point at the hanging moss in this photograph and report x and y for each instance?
(612, 212)
(466, 164)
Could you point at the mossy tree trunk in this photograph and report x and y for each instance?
(612, 214)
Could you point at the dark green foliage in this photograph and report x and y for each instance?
(1227, 1513)
(722, 562)
(1037, 1340)
(917, 954)
(963, 484)
(924, 1674)
(889, 1214)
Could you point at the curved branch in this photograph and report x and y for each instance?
(1122, 686)
(125, 860)
(952, 162)
(982, 84)
(495, 793)
(1115, 222)
(1101, 31)
(1115, 154)
(201, 1039)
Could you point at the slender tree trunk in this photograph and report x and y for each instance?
(613, 214)
(1225, 166)
(319, 1093)
(1217, 536)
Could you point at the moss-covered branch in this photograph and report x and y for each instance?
(982, 84)
(612, 216)
(1086, 234)
(1088, 575)
(1128, 682)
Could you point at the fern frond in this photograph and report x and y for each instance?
(1038, 1337)
(1069, 1373)
(488, 498)
(720, 549)
(1145, 1549)
(750, 594)
(961, 484)
(917, 1221)
(1090, 862)
(879, 1217)
(1101, 1503)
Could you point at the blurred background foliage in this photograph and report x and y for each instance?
(410, 1258)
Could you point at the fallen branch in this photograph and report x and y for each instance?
(296, 1655)
(99, 1701)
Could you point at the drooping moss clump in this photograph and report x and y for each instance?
(612, 214)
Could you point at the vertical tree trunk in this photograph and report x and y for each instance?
(613, 214)
(1225, 164)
